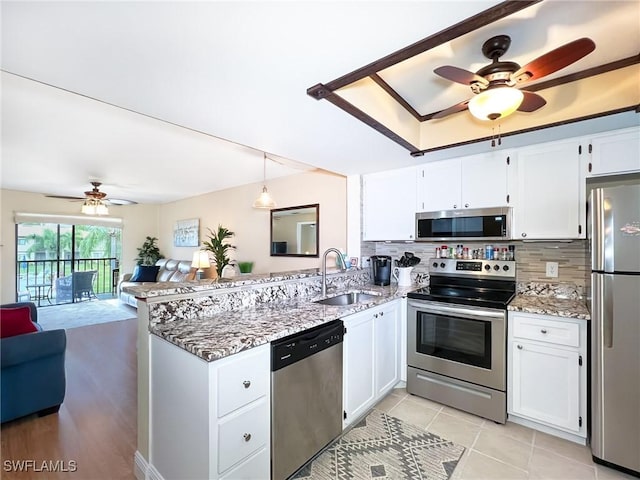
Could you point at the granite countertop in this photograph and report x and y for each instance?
(158, 289)
(550, 305)
(231, 332)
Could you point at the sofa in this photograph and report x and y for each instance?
(169, 270)
(33, 374)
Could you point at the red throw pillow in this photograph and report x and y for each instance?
(16, 321)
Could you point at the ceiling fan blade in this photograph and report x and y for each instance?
(459, 75)
(531, 102)
(454, 109)
(554, 60)
(119, 201)
(65, 197)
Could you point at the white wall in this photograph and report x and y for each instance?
(233, 209)
(138, 222)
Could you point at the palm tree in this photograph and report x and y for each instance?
(92, 238)
(47, 243)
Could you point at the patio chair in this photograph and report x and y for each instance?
(76, 287)
(83, 285)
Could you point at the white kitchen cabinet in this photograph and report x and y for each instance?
(371, 357)
(389, 200)
(547, 380)
(614, 152)
(209, 419)
(549, 201)
(477, 181)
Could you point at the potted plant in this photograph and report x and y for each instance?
(149, 253)
(219, 246)
(245, 267)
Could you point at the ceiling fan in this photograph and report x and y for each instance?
(497, 85)
(95, 196)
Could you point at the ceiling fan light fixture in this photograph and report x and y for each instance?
(496, 102)
(94, 206)
(265, 200)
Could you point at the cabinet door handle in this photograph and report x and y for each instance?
(246, 384)
(247, 437)
(524, 234)
(519, 347)
(381, 313)
(375, 315)
(543, 330)
(466, 205)
(455, 206)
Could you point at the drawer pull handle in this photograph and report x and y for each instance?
(246, 383)
(247, 437)
(544, 330)
(519, 347)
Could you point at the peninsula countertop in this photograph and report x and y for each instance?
(230, 332)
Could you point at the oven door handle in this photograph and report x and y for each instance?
(463, 312)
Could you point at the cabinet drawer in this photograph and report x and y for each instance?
(550, 331)
(256, 467)
(243, 380)
(242, 434)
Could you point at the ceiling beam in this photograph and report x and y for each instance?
(470, 24)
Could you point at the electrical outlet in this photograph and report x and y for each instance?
(552, 269)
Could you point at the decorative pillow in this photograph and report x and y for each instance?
(16, 321)
(145, 273)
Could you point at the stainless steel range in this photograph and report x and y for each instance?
(456, 350)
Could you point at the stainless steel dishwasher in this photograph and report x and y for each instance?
(306, 396)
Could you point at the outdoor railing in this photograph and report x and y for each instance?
(38, 277)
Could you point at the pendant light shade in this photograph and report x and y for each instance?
(494, 103)
(264, 200)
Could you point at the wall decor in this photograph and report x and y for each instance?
(186, 233)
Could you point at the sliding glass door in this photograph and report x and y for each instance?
(48, 254)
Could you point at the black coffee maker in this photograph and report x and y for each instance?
(381, 266)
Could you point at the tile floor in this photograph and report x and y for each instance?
(496, 451)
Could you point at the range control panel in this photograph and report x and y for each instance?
(488, 268)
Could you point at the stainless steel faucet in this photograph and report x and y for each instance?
(324, 266)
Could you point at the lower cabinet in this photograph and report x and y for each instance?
(209, 419)
(547, 374)
(371, 357)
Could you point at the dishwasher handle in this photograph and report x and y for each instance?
(299, 346)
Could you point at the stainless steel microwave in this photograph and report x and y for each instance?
(465, 224)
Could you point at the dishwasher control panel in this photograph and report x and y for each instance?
(299, 346)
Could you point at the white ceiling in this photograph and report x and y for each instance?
(77, 73)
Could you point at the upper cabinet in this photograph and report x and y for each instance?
(389, 200)
(549, 198)
(613, 153)
(476, 181)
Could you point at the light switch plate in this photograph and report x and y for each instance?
(552, 269)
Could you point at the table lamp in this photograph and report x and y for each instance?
(200, 261)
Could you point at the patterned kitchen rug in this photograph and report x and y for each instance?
(384, 447)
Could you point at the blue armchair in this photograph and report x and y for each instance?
(33, 375)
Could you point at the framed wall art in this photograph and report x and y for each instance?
(186, 233)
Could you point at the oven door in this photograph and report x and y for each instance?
(463, 342)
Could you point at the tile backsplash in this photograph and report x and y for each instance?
(531, 257)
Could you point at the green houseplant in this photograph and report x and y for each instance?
(218, 245)
(245, 267)
(149, 253)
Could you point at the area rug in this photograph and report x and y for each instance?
(384, 447)
(80, 314)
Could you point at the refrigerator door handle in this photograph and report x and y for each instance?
(597, 229)
(607, 310)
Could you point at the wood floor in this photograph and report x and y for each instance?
(95, 430)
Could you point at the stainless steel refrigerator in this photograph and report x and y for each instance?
(614, 227)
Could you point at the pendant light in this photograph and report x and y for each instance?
(264, 200)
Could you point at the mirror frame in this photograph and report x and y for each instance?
(286, 209)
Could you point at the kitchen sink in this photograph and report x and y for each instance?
(348, 298)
